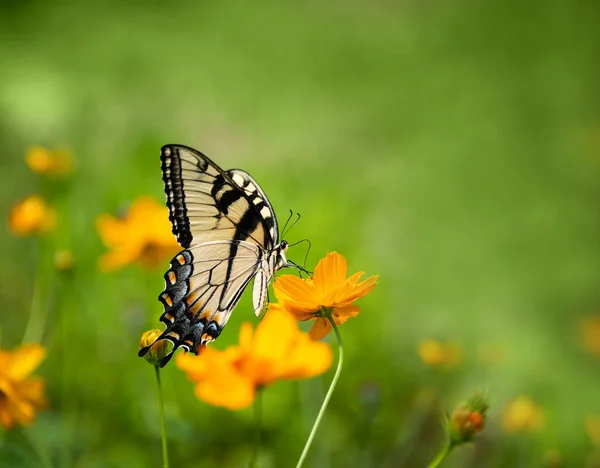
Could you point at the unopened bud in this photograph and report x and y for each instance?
(468, 419)
(158, 349)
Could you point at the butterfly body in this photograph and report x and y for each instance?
(229, 232)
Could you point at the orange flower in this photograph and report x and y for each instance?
(276, 350)
(45, 161)
(31, 216)
(144, 234)
(438, 354)
(328, 290)
(20, 396)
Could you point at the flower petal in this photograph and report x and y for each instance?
(227, 388)
(351, 292)
(25, 360)
(342, 313)
(321, 327)
(291, 289)
(309, 358)
(274, 334)
(330, 273)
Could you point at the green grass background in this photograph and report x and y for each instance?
(453, 148)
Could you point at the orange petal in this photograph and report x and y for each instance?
(290, 288)
(246, 333)
(321, 327)
(110, 229)
(227, 388)
(330, 273)
(25, 360)
(309, 358)
(350, 293)
(115, 259)
(273, 335)
(300, 313)
(342, 313)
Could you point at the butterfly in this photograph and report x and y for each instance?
(228, 230)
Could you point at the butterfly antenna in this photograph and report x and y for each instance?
(300, 269)
(307, 250)
(286, 223)
(284, 232)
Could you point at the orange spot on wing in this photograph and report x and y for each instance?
(181, 259)
(169, 317)
(167, 299)
(172, 277)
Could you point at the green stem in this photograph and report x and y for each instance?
(33, 441)
(258, 424)
(442, 455)
(328, 395)
(36, 322)
(163, 429)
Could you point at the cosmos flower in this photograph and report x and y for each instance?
(143, 235)
(327, 292)
(50, 162)
(20, 395)
(31, 216)
(276, 350)
(440, 354)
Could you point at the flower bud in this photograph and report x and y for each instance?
(158, 350)
(64, 260)
(468, 419)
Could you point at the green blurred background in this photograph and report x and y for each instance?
(453, 148)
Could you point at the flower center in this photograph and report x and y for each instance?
(324, 311)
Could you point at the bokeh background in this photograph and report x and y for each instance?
(452, 148)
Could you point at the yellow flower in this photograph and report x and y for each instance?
(45, 161)
(31, 216)
(439, 354)
(20, 395)
(158, 350)
(143, 235)
(589, 329)
(523, 415)
(276, 350)
(329, 289)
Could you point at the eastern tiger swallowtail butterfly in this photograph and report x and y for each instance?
(228, 229)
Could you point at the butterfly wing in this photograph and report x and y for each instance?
(206, 204)
(203, 285)
(227, 229)
(267, 267)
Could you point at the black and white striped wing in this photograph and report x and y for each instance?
(267, 266)
(205, 203)
(227, 227)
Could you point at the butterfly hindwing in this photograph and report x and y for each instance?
(203, 285)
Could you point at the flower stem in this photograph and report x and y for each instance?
(442, 455)
(257, 428)
(36, 323)
(163, 429)
(336, 376)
